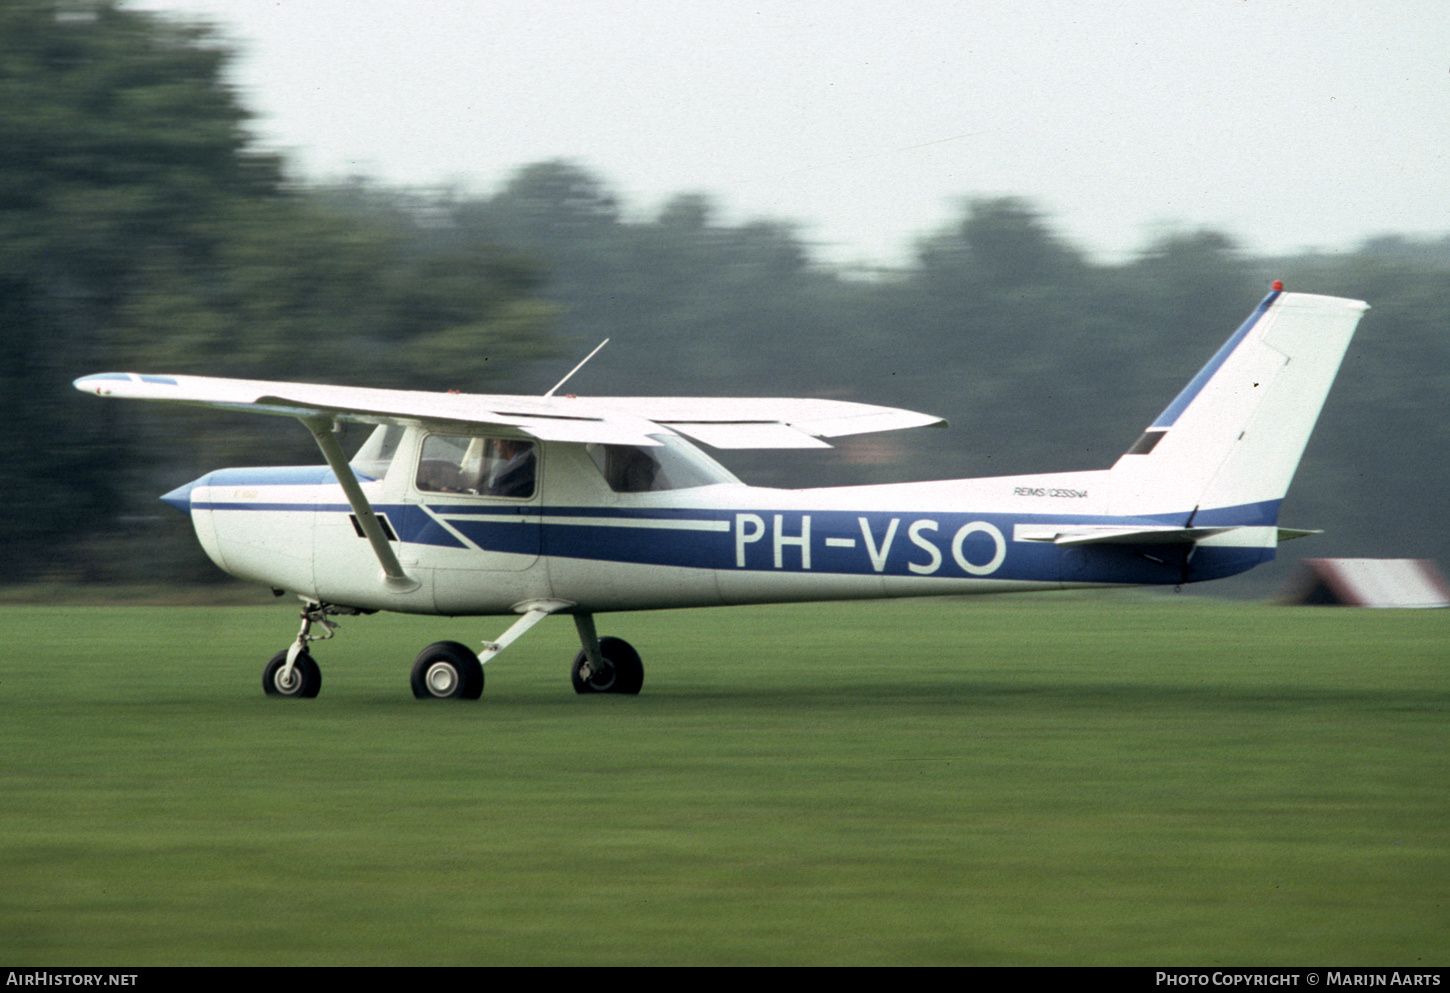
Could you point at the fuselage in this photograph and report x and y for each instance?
(577, 537)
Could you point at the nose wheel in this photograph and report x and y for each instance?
(303, 681)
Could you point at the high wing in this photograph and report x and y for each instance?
(727, 422)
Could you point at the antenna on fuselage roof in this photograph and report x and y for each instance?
(578, 367)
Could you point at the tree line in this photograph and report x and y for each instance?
(140, 229)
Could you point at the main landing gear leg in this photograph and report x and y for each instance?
(447, 670)
(604, 665)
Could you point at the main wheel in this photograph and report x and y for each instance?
(447, 671)
(306, 676)
(622, 672)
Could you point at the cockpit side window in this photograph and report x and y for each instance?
(503, 467)
(674, 464)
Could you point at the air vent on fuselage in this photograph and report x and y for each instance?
(388, 531)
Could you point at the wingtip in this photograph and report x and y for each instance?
(97, 382)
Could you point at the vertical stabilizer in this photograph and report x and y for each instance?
(1225, 449)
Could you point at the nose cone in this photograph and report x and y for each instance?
(180, 498)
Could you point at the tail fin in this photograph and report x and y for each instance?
(1225, 449)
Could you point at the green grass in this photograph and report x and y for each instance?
(1051, 780)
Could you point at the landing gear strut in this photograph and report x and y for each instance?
(293, 672)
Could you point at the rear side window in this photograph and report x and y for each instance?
(674, 464)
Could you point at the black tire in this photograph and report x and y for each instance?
(306, 677)
(447, 670)
(623, 671)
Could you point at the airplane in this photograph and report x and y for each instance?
(487, 505)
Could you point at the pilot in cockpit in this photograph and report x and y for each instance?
(514, 476)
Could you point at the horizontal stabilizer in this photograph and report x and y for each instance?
(1090, 534)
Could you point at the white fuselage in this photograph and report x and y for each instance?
(576, 540)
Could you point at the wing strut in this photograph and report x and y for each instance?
(394, 577)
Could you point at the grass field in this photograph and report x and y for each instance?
(1046, 780)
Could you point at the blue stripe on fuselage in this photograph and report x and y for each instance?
(286, 475)
(1265, 513)
(955, 545)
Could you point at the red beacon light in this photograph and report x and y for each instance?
(1276, 285)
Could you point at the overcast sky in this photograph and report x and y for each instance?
(1283, 124)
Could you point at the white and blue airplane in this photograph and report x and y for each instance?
(465, 505)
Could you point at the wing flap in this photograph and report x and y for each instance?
(761, 435)
(810, 416)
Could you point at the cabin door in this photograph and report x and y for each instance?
(477, 503)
